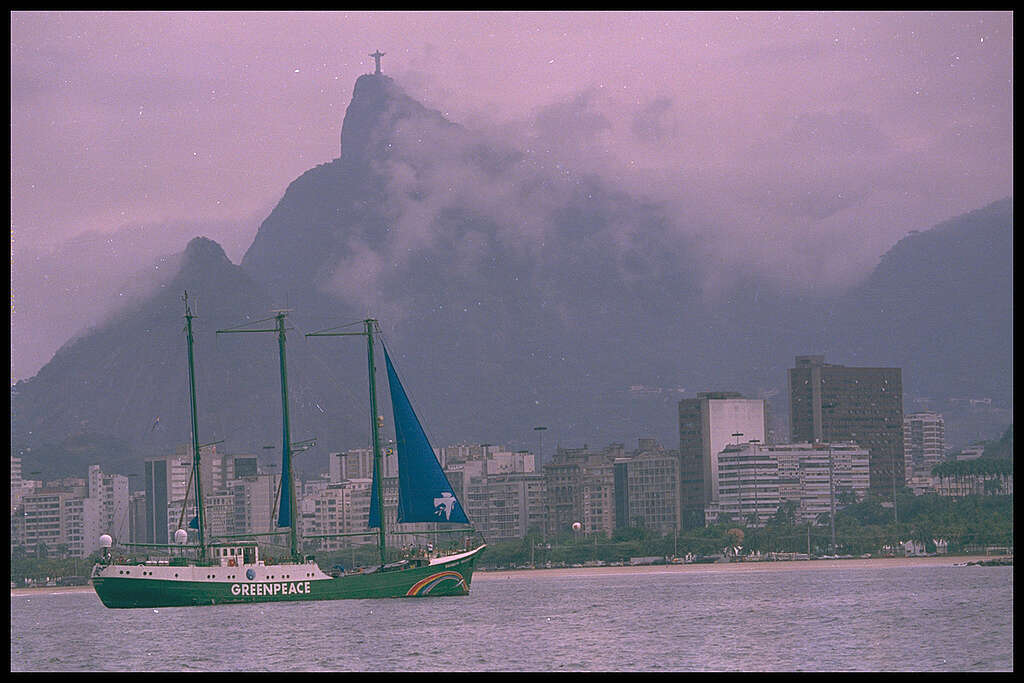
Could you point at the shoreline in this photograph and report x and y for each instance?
(779, 565)
(50, 590)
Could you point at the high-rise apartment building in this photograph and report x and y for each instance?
(512, 505)
(707, 424)
(167, 480)
(255, 501)
(15, 482)
(61, 520)
(805, 471)
(831, 403)
(578, 480)
(754, 480)
(111, 494)
(499, 489)
(343, 508)
(20, 486)
(748, 484)
(597, 515)
(646, 492)
(924, 443)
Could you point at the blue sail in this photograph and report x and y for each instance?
(424, 492)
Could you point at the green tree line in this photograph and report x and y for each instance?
(861, 528)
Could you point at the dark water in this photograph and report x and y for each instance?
(919, 618)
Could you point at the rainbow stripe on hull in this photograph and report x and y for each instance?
(429, 584)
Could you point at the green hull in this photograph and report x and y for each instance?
(440, 579)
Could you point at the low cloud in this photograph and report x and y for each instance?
(59, 292)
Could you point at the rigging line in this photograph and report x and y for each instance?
(184, 502)
(338, 383)
(121, 531)
(357, 403)
(273, 510)
(250, 322)
(339, 327)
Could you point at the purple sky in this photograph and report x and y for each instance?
(803, 145)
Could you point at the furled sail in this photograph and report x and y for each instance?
(424, 492)
(284, 511)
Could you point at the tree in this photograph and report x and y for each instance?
(785, 515)
(846, 496)
(1003, 448)
(629, 533)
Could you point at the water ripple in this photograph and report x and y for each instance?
(906, 619)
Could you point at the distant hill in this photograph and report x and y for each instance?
(512, 294)
(128, 378)
(940, 305)
(1001, 448)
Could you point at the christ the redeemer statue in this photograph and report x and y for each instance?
(376, 57)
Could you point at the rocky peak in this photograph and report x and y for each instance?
(202, 251)
(378, 105)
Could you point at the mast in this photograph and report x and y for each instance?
(200, 517)
(286, 515)
(286, 439)
(378, 460)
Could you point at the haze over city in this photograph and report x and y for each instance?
(799, 146)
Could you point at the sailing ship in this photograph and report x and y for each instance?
(231, 569)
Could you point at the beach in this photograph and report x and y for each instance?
(745, 567)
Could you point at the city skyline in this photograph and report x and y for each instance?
(507, 494)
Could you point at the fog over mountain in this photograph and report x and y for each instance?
(792, 147)
(516, 291)
(61, 291)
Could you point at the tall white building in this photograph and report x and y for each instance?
(15, 482)
(342, 508)
(804, 475)
(754, 480)
(255, 500)
(61, 519)
(748, 483)
(512, 504)
(707, 424)
(112, 495)
(924, 443)
(20, 486)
